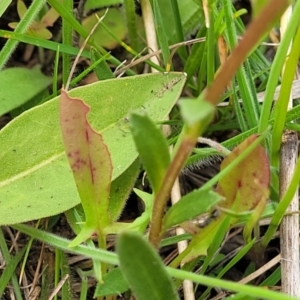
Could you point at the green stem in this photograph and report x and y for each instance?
(184, 150)
(179, 30)
(281, 107)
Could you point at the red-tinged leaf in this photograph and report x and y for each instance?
(254, 217)
(249, 179)
(90, 163)
(244, 188)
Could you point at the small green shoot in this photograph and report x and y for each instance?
(152, 278)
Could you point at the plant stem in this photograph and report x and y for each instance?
(255, 32)
(253, 35)
(162, 196)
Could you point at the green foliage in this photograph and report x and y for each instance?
(145, 273)
(10, 268)
(121, 188)
(152, 148)
(190, 206)
(3, 6)
(116, 23)
(27, 84)
(87, 167)
(93, 4)
(114, 283)
(102, 70)
(46, 170)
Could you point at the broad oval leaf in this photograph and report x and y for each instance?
(114, 19)
(19, 85)
(35, 178)
(143, 269)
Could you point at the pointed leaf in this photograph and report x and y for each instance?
(152, 148)
(102, 70)
(21, 8)
(114, 284)
(89, 159)
(35, 178)
(190, 206)
(143, 269)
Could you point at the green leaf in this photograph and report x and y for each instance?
(190, 206)
(92, 4)
(194, 110)
(162, 37)
(102, 70)
(140, 224)
(19, 85)
(152, 148)
(190, 15)
(143, 269)
(116, 23)
(36, 100)
(10, 269)
(201, 240)
(36, 180)
(4, 5)
(114, 284)
(90, 162)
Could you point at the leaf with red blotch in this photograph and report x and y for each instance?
(248, 180)
(244, 188)
(90, 162)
